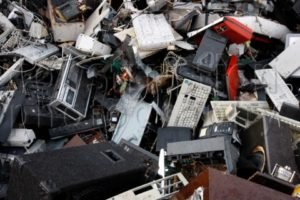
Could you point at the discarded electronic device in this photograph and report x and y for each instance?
(219, 107)
(12, 41)
(288, 62)
(219, 129)
(5, 99)
(181, 17)
(202, 20)
(152, 31)
(128, 4)
(290, 111)
(51, 63)
(264, 27)
(73, 29)
(291, 38)
(272, 182)
(72, 91)
(235, 31)
(172, 134)
(9, 153)
(191, 73)
(38, 30)
(228, 27)
(38, 92)
(156, 5)
(216, 7)
(67, 11)
(236, 50)
(274, 137)
(159, 189)
(6, 27)
(11, 72)
(78, 127)
(198, 194)
(204, 149)
(90, 45)
(277, 89)
(255, 23)
(144, 154)
(283, 173)
(241, 116)
(189, 104)
(26, 14)
(119, 172)
(36, 147)
(294, 124)
(41, 116)
(36, 53)
(35, 110)
(232, 78)
(11, 114)
(93, 23)
(210, 51)
(20, 137)
(132, 124)
(151, 160)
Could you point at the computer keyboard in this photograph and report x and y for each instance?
(189, 104)
(12, 41)
(277, 90)
(219, 107)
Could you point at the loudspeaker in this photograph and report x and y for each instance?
(275, 138)
(88, 172)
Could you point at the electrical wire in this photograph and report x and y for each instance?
(29, 70)
(170, 68)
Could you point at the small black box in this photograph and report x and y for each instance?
(275, 138)
(290, 111)
(172, 134)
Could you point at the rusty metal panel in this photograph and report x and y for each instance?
(220, 186)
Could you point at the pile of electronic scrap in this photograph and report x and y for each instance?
(110, 99)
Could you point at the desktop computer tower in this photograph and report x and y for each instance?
(89, 172)
(72, 91)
